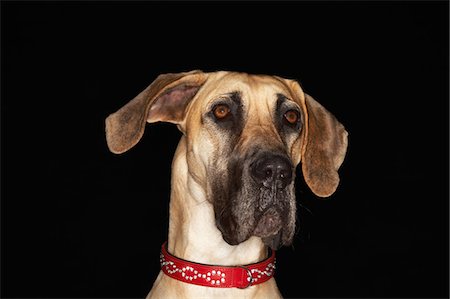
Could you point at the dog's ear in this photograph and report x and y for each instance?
(324, 149)
(163, 100)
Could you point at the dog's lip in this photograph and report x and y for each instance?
(269, 223)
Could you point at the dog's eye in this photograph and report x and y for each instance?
(221, 111)
(291, 117)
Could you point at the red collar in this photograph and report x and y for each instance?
(217, 276)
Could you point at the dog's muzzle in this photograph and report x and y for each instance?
(259, 200)
(272, 173)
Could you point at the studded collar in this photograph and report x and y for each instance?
(217, 276)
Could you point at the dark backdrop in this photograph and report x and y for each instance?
(79, 221)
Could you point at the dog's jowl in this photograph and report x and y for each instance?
(232, 192)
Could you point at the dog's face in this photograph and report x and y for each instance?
(242, 129)
(245, 135)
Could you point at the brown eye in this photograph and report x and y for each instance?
(291, 117)
(221, 111)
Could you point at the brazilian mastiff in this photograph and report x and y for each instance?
(232, 200)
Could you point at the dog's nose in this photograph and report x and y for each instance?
(272, 169)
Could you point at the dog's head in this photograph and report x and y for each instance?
(245, 135)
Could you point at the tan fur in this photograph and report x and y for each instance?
(193, 234)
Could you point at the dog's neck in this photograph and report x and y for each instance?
(193, 234)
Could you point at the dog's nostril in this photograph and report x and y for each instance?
(272, 169)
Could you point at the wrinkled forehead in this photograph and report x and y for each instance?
(256, 91)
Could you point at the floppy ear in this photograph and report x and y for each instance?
(325, 148)
(163, 100)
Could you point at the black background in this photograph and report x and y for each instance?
(79, 221)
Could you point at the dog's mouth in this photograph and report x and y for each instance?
(269, 223)
(270, 228)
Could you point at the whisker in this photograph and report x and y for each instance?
(304, 207)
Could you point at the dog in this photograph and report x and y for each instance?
(232, 201)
